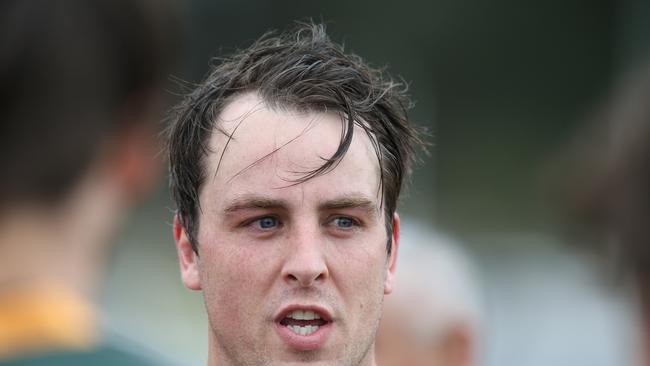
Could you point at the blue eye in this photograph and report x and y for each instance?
(344, 222)
(267, 222)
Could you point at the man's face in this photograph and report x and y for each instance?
(290, 273)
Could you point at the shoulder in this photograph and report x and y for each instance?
(109, 354)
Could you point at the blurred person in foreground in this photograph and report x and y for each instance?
(80, 98)
(286, 166)
(432, 317)
(610, 187)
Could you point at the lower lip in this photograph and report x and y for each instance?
(308, 342)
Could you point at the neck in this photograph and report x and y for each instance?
(65, 244)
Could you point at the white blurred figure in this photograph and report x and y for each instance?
(432, 317)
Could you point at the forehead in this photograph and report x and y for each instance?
(266, 150)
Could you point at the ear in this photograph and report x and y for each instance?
(135, 150)
(457, 346)
(187, 258)
(392, 261)
(137, 161)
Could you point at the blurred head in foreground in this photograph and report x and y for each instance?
(611, 185)
(80, 99)
(432, 316)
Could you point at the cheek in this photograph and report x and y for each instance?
(365, 260)
(360, 273)
(234, 280)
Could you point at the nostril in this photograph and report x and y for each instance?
(305, 270)
(306, 278)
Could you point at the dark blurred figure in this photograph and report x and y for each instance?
(432, 318)
(610, 187)
(80, 97)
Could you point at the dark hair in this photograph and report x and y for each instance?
(68, 69)
(305, 70)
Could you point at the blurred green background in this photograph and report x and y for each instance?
(501, 85)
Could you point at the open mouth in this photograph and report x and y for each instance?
(303, 322)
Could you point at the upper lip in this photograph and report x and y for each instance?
(324, 314)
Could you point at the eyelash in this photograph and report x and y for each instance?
(354, 223)
(258, 222)
(334, 224)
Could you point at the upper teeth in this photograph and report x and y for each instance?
(303, 315)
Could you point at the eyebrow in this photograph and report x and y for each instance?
(248, 202)
(353, 202)
(251, 202)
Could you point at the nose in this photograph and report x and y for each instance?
(305, 263)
